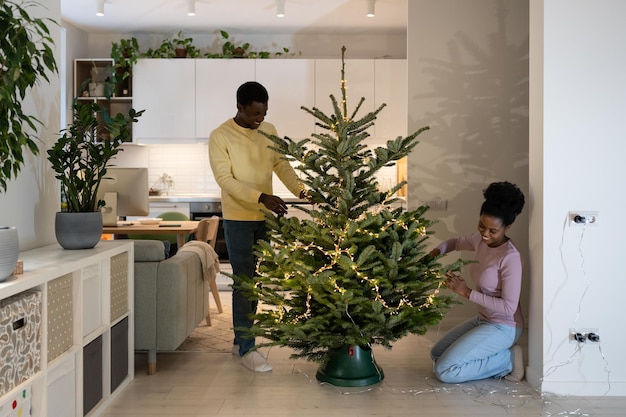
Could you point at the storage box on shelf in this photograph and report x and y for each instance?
(17, 404)
(85, 312)
(20, 338)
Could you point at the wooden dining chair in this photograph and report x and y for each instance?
(207, 232)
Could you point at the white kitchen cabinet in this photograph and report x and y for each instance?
(290, 84)
(166, 90)
(217, 81)
(158, 208)
(85, 345)
(391, 89)
(360, 79)
(185, 99)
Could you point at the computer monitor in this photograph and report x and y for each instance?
(125, 192)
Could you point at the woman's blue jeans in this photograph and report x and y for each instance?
(476, 349)
(241, 236)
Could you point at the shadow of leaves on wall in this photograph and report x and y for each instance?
(477, 108)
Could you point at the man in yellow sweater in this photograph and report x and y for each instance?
(242, 165)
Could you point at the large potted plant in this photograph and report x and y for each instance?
(80, 158)
(356, 274)
(26, 58)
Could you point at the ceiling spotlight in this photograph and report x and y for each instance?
(370, 8)
(100, 9)
(191, 7)
(280, 8)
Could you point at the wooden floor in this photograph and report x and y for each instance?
(216, 384)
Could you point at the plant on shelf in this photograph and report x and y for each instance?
(125, 54)
(81, 155)
(26, 58)
(80, 158)
(177, 46)
(233, 50)
(184, 47)
(356, 273)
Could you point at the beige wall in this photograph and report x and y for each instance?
(559, 134)
(32, 200)
(468, 81)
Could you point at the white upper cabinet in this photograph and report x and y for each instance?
(217, 81)
(359, 77)
(185, 99)
(391, 89)
(166, 89)
(290, 84)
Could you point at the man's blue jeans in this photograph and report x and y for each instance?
(476, 349)
(241, 236)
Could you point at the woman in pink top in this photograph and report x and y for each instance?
(484, 346)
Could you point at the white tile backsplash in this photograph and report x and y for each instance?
(188, 165)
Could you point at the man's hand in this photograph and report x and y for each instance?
(273, 203)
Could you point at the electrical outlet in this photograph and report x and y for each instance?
(441, 205)
(583, 218)
(584, 335)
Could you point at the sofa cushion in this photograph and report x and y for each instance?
(149, 251)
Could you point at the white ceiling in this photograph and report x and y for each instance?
(252, 16)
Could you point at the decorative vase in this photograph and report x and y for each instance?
(78, 230)
(351, 366)
(9, 251)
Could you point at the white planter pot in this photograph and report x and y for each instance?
(9, 251)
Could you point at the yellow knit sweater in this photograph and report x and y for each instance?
(242, 165)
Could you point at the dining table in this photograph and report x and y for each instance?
(180, 228)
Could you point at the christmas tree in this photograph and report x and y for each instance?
(355, 273)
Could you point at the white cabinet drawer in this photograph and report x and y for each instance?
(159, 208)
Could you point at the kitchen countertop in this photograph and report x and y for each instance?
(185, 198)
(216, 198)
(209, 198)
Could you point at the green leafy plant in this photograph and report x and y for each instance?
(176, 46)
(232, 50)
(26, 58)
(80, 157)
(185, 44)
(356, 273)
(125, 54)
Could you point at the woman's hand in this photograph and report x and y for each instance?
(457, 284)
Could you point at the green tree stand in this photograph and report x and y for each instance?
(351, 366)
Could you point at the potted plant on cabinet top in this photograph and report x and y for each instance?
(177, 46)
(26, 58)
(80, 158)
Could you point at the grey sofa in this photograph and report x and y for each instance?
(171, 298)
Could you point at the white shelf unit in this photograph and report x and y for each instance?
(120, 98)
(86, 296)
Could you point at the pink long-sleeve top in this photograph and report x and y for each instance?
(497, 276)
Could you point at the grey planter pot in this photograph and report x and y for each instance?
(9, 251)
(78, 230)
